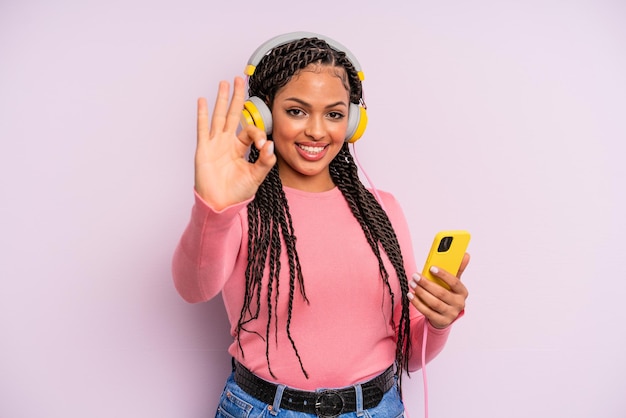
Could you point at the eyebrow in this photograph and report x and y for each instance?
(303, 103)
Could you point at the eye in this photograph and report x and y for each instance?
(295, 112)
(336, 115)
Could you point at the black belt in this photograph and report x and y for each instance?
(323, 403)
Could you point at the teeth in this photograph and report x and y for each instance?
(312, 150)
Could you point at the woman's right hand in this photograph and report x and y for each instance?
(223, 175)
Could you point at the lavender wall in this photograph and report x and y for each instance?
(502, 117)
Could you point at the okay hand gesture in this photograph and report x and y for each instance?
(223, 175)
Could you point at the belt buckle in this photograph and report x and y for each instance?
(328, 403)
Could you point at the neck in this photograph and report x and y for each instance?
(319, 183)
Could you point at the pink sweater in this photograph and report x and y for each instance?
(345, 334)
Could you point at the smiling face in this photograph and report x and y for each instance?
(310, 117)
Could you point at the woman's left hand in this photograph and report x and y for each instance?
(439, 305)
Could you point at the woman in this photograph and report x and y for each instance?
(312, 269)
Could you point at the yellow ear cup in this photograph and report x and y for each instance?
(246, 118)
(255, 112)
(357, 122)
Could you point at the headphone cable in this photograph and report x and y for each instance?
(369, 181)
(425, 333)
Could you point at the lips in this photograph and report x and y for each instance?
(312, 152)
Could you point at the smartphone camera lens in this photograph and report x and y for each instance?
(444, 244)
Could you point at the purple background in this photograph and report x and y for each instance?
(502, 117)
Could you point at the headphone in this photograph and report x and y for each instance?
(257, 113)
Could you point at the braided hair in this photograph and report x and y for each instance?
(268, 214)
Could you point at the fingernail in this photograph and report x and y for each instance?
(416, 277)
(270, 147)
(434, 270)
(410, 296)
(413, 284)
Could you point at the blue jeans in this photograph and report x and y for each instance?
(235, 403)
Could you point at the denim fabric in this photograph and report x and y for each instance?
(235, 403)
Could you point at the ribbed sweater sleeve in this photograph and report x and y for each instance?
(208, 248)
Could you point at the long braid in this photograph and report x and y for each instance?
(378, 230)
(269, 218)
(269, 224)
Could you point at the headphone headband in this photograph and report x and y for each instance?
(279, 40)
(257, 113)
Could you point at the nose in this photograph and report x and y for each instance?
(314, 128)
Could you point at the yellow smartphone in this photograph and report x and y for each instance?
(446, 253)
